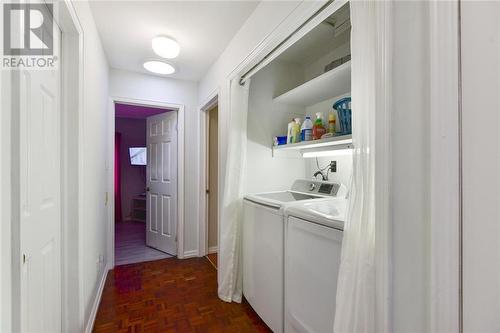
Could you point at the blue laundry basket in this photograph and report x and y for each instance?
(343, 107)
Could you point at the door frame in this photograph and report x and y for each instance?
(179, 108)
(210, 103)
(72, 83)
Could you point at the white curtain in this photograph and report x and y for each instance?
(230, 269)
(362, 301)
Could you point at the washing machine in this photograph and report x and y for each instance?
(263, 244)
(313, 244)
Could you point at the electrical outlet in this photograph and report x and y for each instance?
(333, 166)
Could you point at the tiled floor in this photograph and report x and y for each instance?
(130, 244)
(170, 295)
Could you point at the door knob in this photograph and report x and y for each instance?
(147, 189)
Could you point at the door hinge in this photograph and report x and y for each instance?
(106, 199)
(24, 258)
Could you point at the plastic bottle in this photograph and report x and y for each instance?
(318, 128)
(296, 131)
(289, 133)
(306, 129)
(332, 123)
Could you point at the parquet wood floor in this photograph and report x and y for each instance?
(212, 257)
(170, 295)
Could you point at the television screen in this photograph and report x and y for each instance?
(138, 155)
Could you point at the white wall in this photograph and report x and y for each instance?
(343, 48)
(267, 119)
(344, 168)
(344, 163)
(481, 165)
(94, 223)
(147, 87)
(410, 168)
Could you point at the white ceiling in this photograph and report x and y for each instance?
(202, 28)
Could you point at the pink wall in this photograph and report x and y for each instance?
(133, 177)
(136, 111)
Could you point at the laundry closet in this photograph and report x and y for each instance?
(297, 187)
(297, 84)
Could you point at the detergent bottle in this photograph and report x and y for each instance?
(289, 133)
(306, 129)
(318, 128)
(332, 122)
(296, 131)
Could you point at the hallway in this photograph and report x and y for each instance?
(170, 295)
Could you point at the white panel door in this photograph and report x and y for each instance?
(40, 200)
(161, 200)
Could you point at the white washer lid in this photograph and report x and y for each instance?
(282, 199)
(330, 212)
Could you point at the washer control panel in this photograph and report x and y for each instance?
(326, 189)
(317, 187)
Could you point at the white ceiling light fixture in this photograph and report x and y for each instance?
(165, 47)
(159, 67)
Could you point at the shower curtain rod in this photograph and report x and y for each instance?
(264, 61)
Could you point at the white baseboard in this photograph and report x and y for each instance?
(90, 323)
(213, 249)
(190, 254)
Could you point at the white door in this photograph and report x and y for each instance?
(161, 200)
(40, 200)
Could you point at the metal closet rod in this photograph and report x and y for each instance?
(251, 71)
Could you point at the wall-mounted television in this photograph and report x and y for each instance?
(138, 155)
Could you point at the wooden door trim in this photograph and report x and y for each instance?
(72, 66)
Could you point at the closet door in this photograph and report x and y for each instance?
(40, 208)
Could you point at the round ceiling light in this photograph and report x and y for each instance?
(165, 47)
(159, 67)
